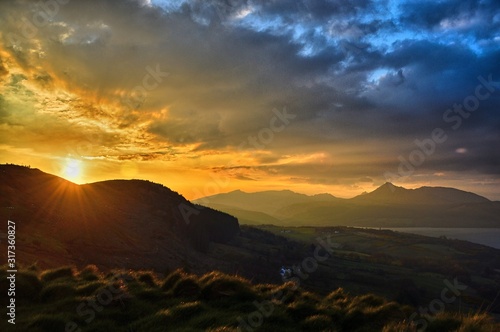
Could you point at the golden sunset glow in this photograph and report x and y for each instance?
(73, 170)
(147, 90)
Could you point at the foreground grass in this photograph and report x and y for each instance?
(65, 299)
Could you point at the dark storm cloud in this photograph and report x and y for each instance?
(321, 10)
(287, 10)
(430, 14)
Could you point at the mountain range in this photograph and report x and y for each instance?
(141, 224)
(387, 206)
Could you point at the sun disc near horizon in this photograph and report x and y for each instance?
(73, 170)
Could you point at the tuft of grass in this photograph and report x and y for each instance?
(62, 272)
(476, 323)
(367, 300)
(317, 323)
(186, 311)
(172, 279)
(279, 318)
(28, 286)
(89, 288)
(186, 287)
(49, 323)
(216, 285)
(147, 278)
(207, 277)
(285, 293)
(33, 267)
(57, 292)
(206, 319)
(89, 273)
(150, 295)
(337, 296)
(402, 326)
(442, 323)
(301, 309)
(386, 310)
(101, 326)
(222, 329)
(383, 314)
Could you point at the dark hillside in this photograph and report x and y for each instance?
(122, 218)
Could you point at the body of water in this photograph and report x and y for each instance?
(487, 236)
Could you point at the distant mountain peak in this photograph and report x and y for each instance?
(388, 187)
(324, 195)
(239, 191)
(391, 185)
(388, 193)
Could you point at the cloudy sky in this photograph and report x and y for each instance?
(315, 96)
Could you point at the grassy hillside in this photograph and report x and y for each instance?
(66, 299)
(130, 223)
(415, 267)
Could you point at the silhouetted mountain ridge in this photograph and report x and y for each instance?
(388, 193)
(125, 217)
(269, 202)
(386, 206)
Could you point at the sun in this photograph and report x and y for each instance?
(73, 170)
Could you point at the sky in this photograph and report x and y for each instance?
(205, 97)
